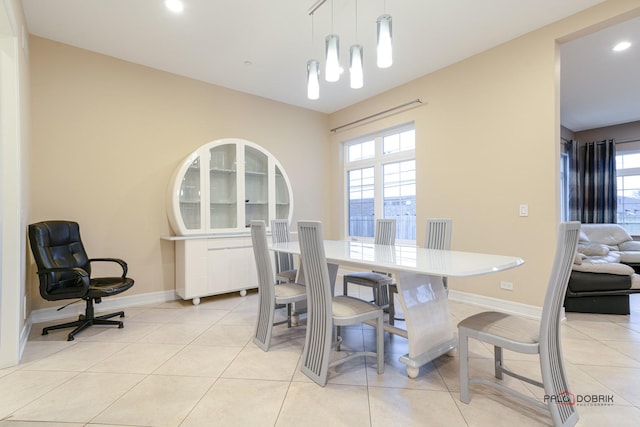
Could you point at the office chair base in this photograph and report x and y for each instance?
(84, 322)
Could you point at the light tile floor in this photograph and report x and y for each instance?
(176, 364)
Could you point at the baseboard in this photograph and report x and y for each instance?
(510, 307)
(115, 303)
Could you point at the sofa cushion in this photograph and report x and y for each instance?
(582, 237)
(632, 245)
(578, 258)
(593, 249)
(629, 257)
(608, 234)
(600, 265)
(630, 252)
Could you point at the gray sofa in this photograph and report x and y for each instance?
(604, 272)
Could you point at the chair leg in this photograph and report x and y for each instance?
(497, 361)
(392, 308)
(463, 353)
(380, 343)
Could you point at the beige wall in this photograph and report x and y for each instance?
(107, 135)
(622, 132)
(487, 141)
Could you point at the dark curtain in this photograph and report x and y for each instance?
(574, 196)
(598, 182)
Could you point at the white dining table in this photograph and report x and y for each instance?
(418, 273)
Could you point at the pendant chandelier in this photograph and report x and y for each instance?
(333, 70)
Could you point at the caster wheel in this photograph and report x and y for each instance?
(243, 293)
(120, 325)
(412, 372)
(195, 301)
(81, 317)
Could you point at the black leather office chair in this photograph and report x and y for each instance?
(64, 270)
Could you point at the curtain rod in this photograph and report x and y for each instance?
(620, 141)
(397, 107)
(624, 141)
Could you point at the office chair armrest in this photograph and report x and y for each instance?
(116, 260)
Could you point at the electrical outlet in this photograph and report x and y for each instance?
(506, 286)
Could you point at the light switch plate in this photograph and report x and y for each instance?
(524, 210)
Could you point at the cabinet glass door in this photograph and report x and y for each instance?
(223, 211)
(282, 196)
(190, 196)
(256, 181)
(224, 185)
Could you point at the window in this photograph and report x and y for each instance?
(628, 189)
(380, 174)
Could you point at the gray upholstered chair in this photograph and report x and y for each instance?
(385, 234)
(438, 236)
(522, 335)
(270, 294)
(285, 268)
(324, 312)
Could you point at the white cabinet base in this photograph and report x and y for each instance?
(212, 265)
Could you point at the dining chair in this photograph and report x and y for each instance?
(522, 335)
(270, 294)
(285, 268)
(385, 234)
(325, 312)
(438, 236)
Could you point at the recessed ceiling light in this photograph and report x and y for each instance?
(622, 46)
(175, 6)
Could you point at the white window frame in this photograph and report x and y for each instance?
(377, 162)
(632, 149)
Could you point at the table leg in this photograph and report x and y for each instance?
(424, 303)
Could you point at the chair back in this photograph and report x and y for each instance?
(319, 300)
(266, 291)
(57, 245)
(280, 234)
(438, 234)
(385, 232)
(550, 322)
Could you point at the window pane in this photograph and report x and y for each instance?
(396, 142)
(629, 203)
(391, 144)
(626, 161)
(408, 140)
(361, 202)
(363, 150)
(399, 194)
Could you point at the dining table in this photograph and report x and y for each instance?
(418, 273)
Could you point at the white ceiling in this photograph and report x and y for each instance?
(600, 87)
(261, 47)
